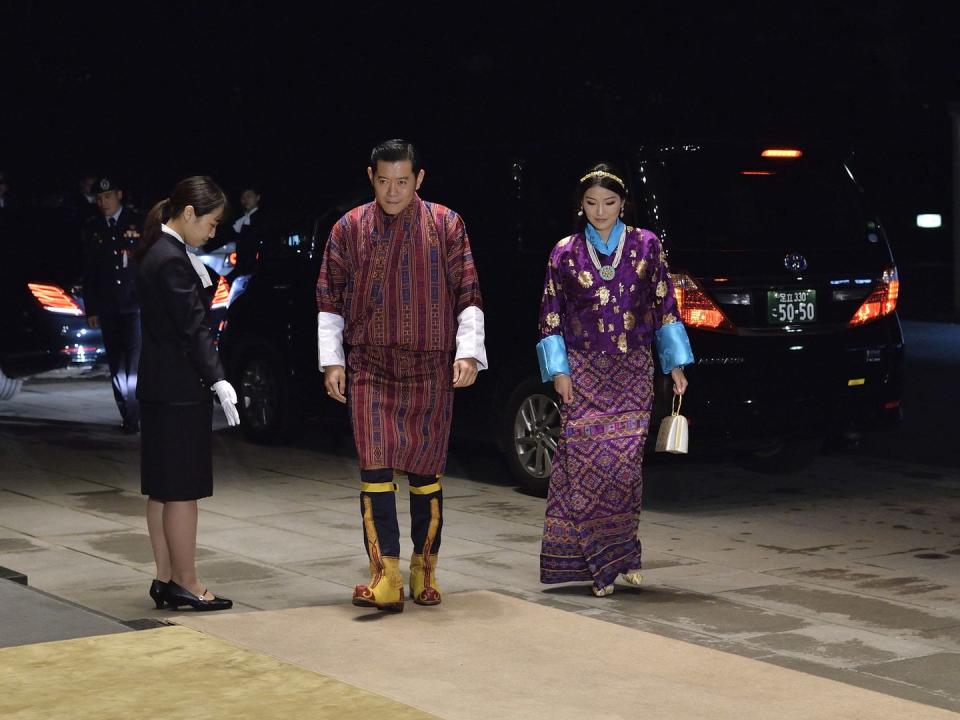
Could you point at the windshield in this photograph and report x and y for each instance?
(740, 201)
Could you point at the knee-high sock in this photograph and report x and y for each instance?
(426, 513)
(378, 508)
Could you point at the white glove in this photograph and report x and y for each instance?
(228, 401)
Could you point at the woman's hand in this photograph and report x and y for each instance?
(228, 401)
(564, 387)
(679, 381)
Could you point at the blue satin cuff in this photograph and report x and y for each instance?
(552, 354)
(673, 347)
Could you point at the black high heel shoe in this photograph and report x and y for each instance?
(177, 596)
(158, 589)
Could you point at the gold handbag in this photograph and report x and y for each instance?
(673, 435)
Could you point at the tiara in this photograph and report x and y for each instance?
(604, 173)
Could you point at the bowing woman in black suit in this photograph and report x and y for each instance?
(179, 372)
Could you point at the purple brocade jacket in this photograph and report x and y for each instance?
(612, 316)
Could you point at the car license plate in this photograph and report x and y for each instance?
(787, 307)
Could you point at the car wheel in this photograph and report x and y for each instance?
(783, 455)
(532, 429)
(9, 387)
(263, 397)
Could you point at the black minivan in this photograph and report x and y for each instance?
(787, 286)
(784, 278)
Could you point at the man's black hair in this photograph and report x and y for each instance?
(395, 150)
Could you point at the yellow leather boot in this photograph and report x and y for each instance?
(423, 580)
(358, 594)
(426, 521)
(385, 589)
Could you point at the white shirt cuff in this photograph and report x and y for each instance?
(470, 336)
(329, 340)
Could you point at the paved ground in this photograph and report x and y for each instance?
(850, 570)
(32, 616)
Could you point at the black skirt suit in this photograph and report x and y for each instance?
(178, 365)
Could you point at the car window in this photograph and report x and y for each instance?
(740, 201)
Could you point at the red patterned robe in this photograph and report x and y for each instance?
(399, 282)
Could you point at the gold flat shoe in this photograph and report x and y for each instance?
(602, 592)
(633, 577)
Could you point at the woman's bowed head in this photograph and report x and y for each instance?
(194, 209)
(602, 197)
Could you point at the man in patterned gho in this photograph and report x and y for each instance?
(606, 296)
(398, 285)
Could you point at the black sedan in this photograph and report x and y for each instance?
(42, 326)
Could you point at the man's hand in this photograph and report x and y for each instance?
(564, 387)
(93, 321)
(464, 372)
(335, 381)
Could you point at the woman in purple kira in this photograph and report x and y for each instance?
(606, 296)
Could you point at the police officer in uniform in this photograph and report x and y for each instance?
(109, 292)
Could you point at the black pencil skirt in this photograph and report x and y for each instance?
(176, 460)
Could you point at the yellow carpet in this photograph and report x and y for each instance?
(482, 655)
(172, 673)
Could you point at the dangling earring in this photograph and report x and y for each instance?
(621, 211)
(580, 212)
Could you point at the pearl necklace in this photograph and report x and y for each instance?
(607, 272)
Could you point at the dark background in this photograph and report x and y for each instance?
(293, 98)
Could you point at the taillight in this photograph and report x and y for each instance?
(55, 299)
(781, 153)
(882, 301)
(696, 309)
(222, 294)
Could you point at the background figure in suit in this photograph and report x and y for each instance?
(179, 367)
(110, 294)
(248, 231)
(82, 199)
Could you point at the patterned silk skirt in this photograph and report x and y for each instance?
(401, 405)
(593, 504)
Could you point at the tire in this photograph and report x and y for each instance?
(263, 394)
(531, 431)
(9, 387)
(783, 456)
